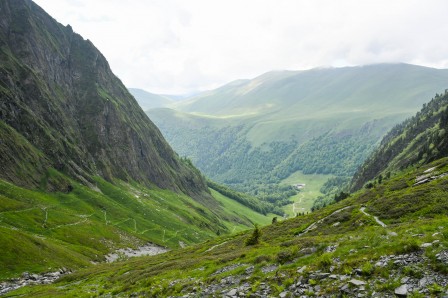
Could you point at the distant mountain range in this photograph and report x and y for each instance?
(148, 100)
(323, 120)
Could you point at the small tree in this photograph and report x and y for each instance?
(341, 196)
(255, 237)
(369, 185)
(274, 220)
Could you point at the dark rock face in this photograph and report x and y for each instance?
(58, 93)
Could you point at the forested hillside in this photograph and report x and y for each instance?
(418, 140)
(251, 134)
(220, 149)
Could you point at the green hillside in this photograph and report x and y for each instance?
(147, 100)
(45, 231)
(417, 141)
(251, 134)
(365, 89)
(338, 250)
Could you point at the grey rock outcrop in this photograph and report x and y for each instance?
(58, 92)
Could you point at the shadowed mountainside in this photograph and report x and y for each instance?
(62, 101)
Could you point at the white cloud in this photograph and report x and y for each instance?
(176, 46)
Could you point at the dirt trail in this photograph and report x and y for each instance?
(215, 246)
(376, 218)
(316, 223)
(294, 208)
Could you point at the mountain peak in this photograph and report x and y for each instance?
(74, 112)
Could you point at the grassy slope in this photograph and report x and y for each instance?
(306, 196)
(347, 86)
(241, 212)
(43, 231)
(19, 158)
(299, 105)
(342, 97)
(360, 241)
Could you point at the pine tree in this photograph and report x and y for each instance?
(255, 237)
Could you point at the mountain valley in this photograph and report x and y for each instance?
(252, 134)
(328, 182)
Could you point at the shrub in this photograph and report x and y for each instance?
(255, 237)
(413, 271)
(435, 289)
(367, 268)
(416, 294)
(325, 261)
(262, 258)
(285, 256)
(408, 245)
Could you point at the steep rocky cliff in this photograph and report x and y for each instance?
(62, 107)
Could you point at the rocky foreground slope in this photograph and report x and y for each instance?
(338, 251)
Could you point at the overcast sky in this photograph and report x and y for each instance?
(181, 46)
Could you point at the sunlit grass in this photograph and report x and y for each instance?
(305, 198)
